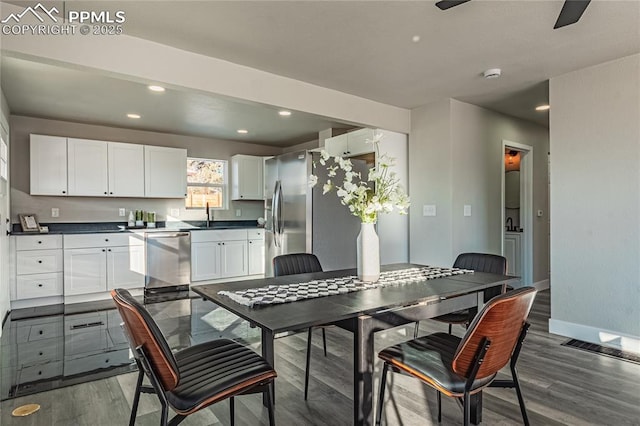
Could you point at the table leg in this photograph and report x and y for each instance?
(363, 360)
(269, 355)
(476, 399)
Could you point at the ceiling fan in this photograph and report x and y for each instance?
(571, 11)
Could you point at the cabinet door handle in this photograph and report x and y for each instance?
(106, 239)
(39, 261)
(39, 242)
(250, 242)
(64, 192)
(103, 250)
(40, 285)
(40, 332)
(108, 249)
(111, 193)
(40, 353)
(105, 192)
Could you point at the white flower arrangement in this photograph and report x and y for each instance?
(381, 192)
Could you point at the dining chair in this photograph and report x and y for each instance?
(193, 378)
(301, 263)
(460, 367)
(480, 262)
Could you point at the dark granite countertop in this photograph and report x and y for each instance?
(101, 227)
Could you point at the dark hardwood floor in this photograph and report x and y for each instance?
(561, 385)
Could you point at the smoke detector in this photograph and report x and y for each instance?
(492, 73)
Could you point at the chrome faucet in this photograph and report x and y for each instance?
(209, 216)
(510, 224)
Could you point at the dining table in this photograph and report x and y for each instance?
(362, 312)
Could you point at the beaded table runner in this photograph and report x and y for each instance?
(275, 294)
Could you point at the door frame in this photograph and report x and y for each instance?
(526, 205)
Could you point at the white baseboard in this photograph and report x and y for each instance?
(541, 285)
(598, 336)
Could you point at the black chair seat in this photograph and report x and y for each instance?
(221, 368)
(430, 358)
(460, 317)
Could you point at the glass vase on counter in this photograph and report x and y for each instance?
(151, 219)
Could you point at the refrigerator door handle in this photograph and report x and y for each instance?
(280, 205)
(275, 213)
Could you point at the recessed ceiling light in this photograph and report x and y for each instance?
(415, 38)
(242, 131)
(134, 116)
(542, 107)
(156, 88)
(284, 113)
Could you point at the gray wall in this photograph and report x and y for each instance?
(455, 155)
(89, 209)
(595, 199)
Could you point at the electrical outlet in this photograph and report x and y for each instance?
(55, 212)
(121, 212)
(428, 210)
(175, 212)
(467, 210)
(238, 212)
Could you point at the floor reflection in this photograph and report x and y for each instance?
(57, 346)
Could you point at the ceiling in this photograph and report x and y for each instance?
(363, 48)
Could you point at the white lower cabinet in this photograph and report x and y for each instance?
(38, 266)
(85, 271)
(256, 252)
(233, 258)
(99, 262)
(219, 254)
(205, 261)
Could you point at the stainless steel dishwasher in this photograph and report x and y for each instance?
(168, 260)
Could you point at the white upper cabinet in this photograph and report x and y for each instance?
(350, 144)
(246, 177)
(165, 172)
(48, 166)
(126, 169)
(87, 167)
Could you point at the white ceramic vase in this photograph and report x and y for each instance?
(368, 246)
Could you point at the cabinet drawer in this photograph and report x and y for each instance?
(40, 372)
(103, 240)
(220, 235)
(38, 261)
(255, 234)
(95, 362)
(39, 285)
(38, 329)
(38, 242)
(39, 352)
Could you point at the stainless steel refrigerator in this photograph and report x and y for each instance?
(300, 219)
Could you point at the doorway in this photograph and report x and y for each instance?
(517, 214)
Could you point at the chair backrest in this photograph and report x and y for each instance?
(143, 331)
(501, 321)
(296, 263)
(482, 262)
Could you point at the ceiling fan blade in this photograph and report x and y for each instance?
(571, 12)
(448, 4)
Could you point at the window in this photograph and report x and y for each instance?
(206, 183)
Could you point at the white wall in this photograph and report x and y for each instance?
(455, 155)
(98, 209)
(4, 213)
(595, 200)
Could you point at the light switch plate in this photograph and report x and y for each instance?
(121, 212)
(55, 212)
(467, 209)
(539, 213)
(238, 212)
(429, 210)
